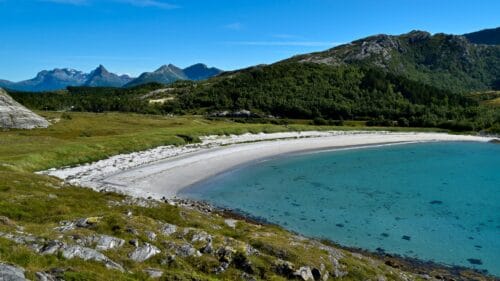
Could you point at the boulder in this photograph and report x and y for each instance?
(285, 268)
(144, 253)
(105, 242)
(304, 273)
(201, 236)
(187, 250)
(230, 222)
(168, 229)
(44, 276)
(153, 272)
(11, 273)
(151, 235)
(15, 116)
(86, 254)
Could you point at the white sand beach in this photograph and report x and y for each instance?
(162, 172)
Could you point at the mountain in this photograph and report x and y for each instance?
(200, 71)
(49, 80)
(171, 73)
(101, 77)
(60, 78)
(446, 61)
(14, 115)
(485, 36)
(166, 74)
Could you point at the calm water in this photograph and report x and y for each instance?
(434, 201)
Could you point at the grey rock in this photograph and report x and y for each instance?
(201, 236)
(249, 250)
(247, 277)
(168, 229)
(144, 253)
(65, 226)
(43, 276)
(304, 273)
(187, 250)
(151, 235)
(14, 115)
(208, 248)
(222, 267)
(337, 273)
(231, 223)
(225, 253)
(85, 253)
(134, 242)
(52, 247)
(132, 231)
(170, 259)
(105, 242)
(285, 268)
(153, 272)
(11, 273)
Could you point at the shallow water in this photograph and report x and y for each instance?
(432, 201)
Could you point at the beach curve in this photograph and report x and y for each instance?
(162, 172)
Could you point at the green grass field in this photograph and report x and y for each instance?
(36, 204)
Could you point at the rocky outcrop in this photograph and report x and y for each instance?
(11, 273)
(15, 116)
(144, 253)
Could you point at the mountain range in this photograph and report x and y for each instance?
(57, 79)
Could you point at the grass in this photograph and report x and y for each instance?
(84, 137)
(38, 203)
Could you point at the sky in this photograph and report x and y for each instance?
(133, 36)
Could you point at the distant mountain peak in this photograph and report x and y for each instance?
(60, 78)
(101, 77)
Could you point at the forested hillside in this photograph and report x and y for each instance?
(445, 61)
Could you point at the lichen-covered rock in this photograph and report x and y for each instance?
(84, 253)
(151, 235)
(11, 273)
(144, 253)
(105, 242)
(225, 254)
(14, 115)
(285, 268)
(231, 222)
(44, 276)
(304, 273)
(153, 272)
(187, 250)
(201, 236)
(168, 229)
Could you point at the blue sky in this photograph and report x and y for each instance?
(132, 36)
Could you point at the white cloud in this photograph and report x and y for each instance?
(286, 43)
(70, 2)
(234, 26)
(139, 3)
(149, 3)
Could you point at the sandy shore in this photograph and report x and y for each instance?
(162, 172)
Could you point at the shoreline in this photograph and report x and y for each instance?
(179, 158)
(161, 173)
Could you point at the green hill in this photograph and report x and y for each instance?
(445, 61)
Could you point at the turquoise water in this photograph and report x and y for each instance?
(432, 201)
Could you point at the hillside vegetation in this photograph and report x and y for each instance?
(444, 61)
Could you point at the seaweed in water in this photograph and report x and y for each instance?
(384, 234)
(406, 237)
(475, 261)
